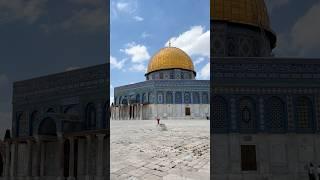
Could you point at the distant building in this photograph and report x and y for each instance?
(59, 127)
(265, 110)
(169, 92)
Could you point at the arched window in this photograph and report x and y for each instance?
(220, 113)
(151, 98)
(171, 74)
(161, 75)
(205, 98)
(124, 101)
(33, 118)
(304, 113)
(160, 98)
(47, 127)
(91, 116)
(182, 75)
(275, 115)
(247, 110)
(22, 124)
(138, 98)
(187, 98)
(145, 98)
(196, 98)
(169, 98)
(178, 98)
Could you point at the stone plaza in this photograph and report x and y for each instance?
(142, 150)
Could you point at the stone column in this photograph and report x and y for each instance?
(141, 107)
(136, 112)
(61, 157)
(29, 159)
(71, 159)
(120, 109)
(88, 157)
(7, 162)
(99, 166)
(42, 158)
(36, 164)
(129, 107)
(13, 159)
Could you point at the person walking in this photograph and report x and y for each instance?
(311, 172)
(158, 119)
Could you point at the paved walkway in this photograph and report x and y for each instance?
(141, 150)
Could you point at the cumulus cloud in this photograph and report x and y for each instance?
(115, 63)
(305, 32)
(86, 19)
(125, 8)
(205, 72)
(274, 4)
(138, 18)
(303, 38)
(27, 10)
(199, 60)
(137, 52)
(195, 41)
(145, 35)
(138, 68)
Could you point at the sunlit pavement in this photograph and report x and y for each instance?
(142, 150)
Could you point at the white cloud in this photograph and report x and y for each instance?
(305, 32)
(138, 53)
(195, 41)
(199, 60)
(123, 8)
(138, 18)
(86, 19)
(138, 68)
(205, 72)
(274, 4)
(115, 63)
(304, 37)
(29, 11)
(145, 35)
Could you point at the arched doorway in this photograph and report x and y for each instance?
(49, 147)
(47, 127)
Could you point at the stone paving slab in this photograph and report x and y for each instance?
(141, 150)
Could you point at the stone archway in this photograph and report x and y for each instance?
(47, 127)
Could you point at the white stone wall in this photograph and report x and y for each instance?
(279, 156)
(177, 111)
(164, 111)
(22, 160)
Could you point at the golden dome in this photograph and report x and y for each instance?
(170, 58)
(249, 12)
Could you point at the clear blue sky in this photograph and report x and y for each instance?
(139, 28)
